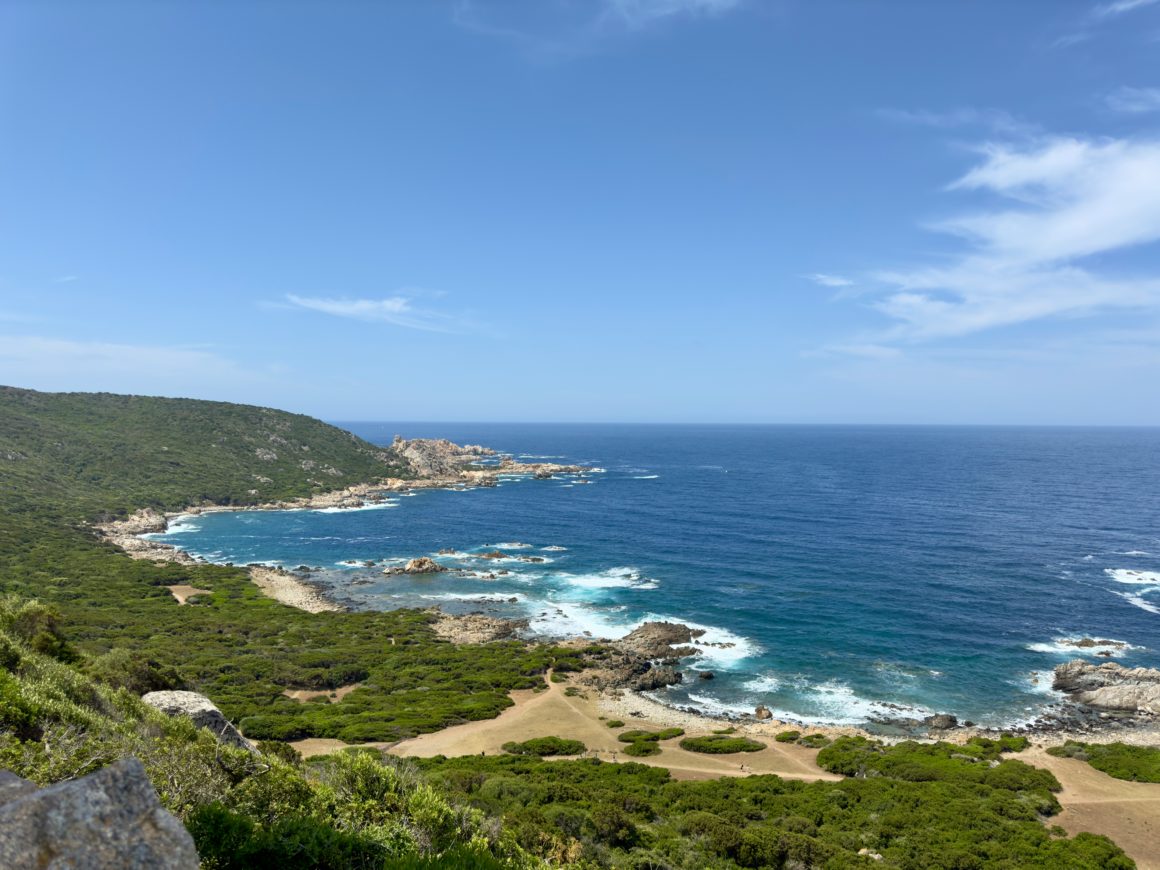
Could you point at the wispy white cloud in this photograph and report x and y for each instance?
(1119, 7)
(1134, 101)
(996, 120)
(563, 30)
(825, 280)
(1060, 202)
(637, 13)
(397, 310)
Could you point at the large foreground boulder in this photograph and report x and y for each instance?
(1110, 686)
(111, 818)
(202, 711)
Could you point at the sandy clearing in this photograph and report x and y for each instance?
(285, 587)
(1127, 812)
(553, 713)
(183, 592)
(332, 695)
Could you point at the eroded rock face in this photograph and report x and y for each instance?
(111, 818)
(1110, 686)
(202, 711)
(762, 712)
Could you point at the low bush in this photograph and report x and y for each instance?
(788, 736)
(544, 746)
(614, 723)
(721, 744)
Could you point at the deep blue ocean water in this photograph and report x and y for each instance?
(932, 567)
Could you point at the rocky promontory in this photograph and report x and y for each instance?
(1109, 686)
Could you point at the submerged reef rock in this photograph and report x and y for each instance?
(111, 818)
(203, 713)
(1109, 686)
(422, 565)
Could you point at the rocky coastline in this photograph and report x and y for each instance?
(1104, 700)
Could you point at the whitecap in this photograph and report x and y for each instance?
(1068, 646)
(369, 506)
(764, 683)
(645, 476)
(613, 578)
(553, 549)
(1135, 553)
(1126, 575)
(1139, 601)
(510, 545)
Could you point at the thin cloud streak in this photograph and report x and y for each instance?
(836, 281)
(1134, 101)
(1119, 7)
(396, 310)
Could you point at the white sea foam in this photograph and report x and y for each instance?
(1126, 575)
(1037, 683)
(1135, 553)
(1067, 646)
(764, 683)
(613, 578)
(645, 476)
(837, 704)
(1089, 557)
(180, 525)
(1139, 601)
(511, 545)
(496, 597)
(553, 549)
(566, 619)
(717, 707)
(369, 506)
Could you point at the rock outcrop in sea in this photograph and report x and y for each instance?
(111, 818)
(421, 565)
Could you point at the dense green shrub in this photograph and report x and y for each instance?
(721, 744)
(642, 748)
(541, 746)
(614, 723)
(787, 736)
(814, 741)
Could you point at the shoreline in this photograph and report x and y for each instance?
(293, 590)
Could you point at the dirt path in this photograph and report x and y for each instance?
(553, 713)
(1128, 812)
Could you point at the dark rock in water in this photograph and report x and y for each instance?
(762, 712)
(108, 819)
(447, 551)
(941, 721)
(706, 675)
(543, 475)
(203, 713)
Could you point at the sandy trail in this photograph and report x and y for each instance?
(553, 713)
(1128, 812)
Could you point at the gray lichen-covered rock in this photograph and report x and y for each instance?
(202, 711)
(1110, 686)
(111, 818)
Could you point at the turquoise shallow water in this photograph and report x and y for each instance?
(838, 569)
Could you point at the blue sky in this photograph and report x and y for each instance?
(612, 210)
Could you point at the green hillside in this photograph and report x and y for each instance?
(87, 452)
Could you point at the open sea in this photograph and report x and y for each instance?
(837, 569)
